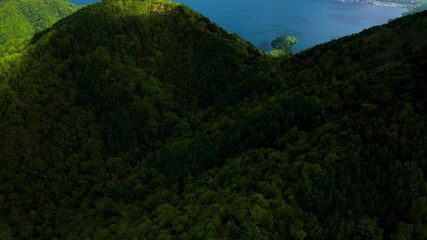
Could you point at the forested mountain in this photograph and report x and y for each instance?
(139, 119)
(20, 19)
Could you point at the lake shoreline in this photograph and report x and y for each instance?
(312, 22)
(384, 4)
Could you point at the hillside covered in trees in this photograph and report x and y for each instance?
(137, 119)
(21, 19)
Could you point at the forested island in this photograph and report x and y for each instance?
(132, 119)
(282, 46)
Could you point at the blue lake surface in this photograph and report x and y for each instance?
(310, 21)
(83, 2)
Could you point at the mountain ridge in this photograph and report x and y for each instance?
(142, 119)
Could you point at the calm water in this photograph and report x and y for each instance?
(82, 2)
(311, 21)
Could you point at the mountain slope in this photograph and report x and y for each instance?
(143, 120)
(20, 19)
(95, 92)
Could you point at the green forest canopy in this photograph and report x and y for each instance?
(282, 45)
(20, 19)
(144, 120)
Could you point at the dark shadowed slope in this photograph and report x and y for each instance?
(143, 120)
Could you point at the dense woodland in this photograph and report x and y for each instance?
(21, 19)
(137, 119)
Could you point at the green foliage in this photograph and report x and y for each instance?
(282, 45)
(277, 53)
(20, 19)
(143, 120)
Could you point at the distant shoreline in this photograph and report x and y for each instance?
(385, 4)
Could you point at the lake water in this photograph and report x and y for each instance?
(83, 2)
(310, 21)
